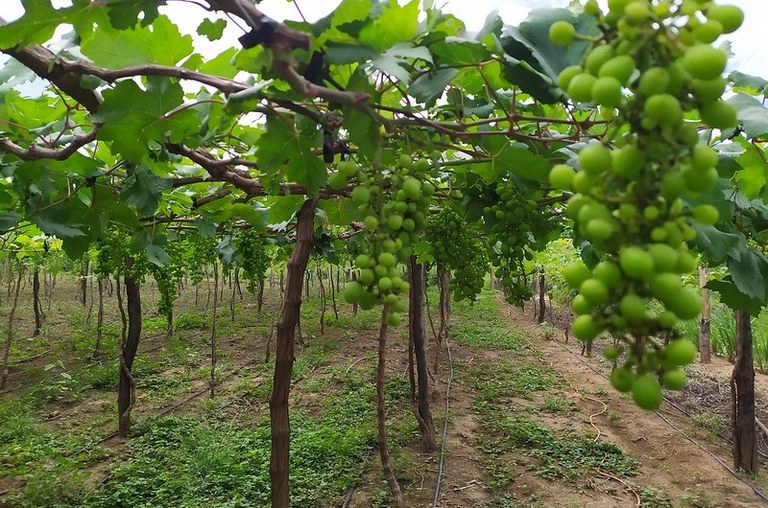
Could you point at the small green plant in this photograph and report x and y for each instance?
(190, 322)
(547, 330)
(654, 498)
(613, 417)
(556, 404)
(714, 423)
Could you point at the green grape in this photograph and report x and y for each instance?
(580, 87)
(585, 328)
(706, 214)
(567, 74)
(680, 352)
(622, 379)
(718, 114)
(646, 391)
(595, 158)
(632, 307)
(561, 177)
(653, 81)
(704, 62)
(664, 109)
(636, 262)
(561, 33)
(730, 17)
(674, 379)
(619, 68)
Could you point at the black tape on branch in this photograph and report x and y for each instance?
(260, 35)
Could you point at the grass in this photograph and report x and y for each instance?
(489, 331)
(509, 440)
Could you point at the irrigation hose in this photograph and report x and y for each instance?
(445, 424)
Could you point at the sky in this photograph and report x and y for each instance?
(748, 44)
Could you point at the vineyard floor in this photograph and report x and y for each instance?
(531, 422)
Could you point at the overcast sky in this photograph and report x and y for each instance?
(748, 43)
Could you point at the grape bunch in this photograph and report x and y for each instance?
(456, 246)
(201, 252)
(515, 229)
(394, 206)
(114, 248)
(252, 257)
(653, 68)
(168, 276)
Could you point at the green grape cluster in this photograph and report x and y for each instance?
(515, 229)
(201, 252)
(653, 66)
(394, 206)
(114, 247)
(168, 276)
(455, 246)
(252, 257)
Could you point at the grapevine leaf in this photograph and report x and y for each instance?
(344, 53)
(752, 115)
(748, 269)
(283, 208)
(287, 145)
(37, 25)
(755, 83)
(733, 298)
(133, 117)
(226, 249)
(213, 30)
(533, 61)
(363, 131)
(395, 24)
(162, 45)
(458, 51)
(142, 190)
(430, 87)
(252, 215)
(713, 243)
(156, 254)
(124, 14)
(9, 220)
(206, 226)
(350, 11)
(58, 221)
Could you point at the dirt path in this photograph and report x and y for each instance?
(671, 470)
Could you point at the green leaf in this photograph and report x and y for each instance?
(748, 269)
(163, 44)
(533, 61)
(459, 51)
(741, 80)
(206, 226)
(396, 24)
(133, 117)
(733, 298)
(752, 115)
(156, 254)
(37, 25)
(58, 221)
(715, 244)
(430, 87)
(283, 208)
(349, 11)
(9, 220)
(285, 145)
(124, 14)
(342, 53)
(251, 214)
(213, 30)
(142, 190)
